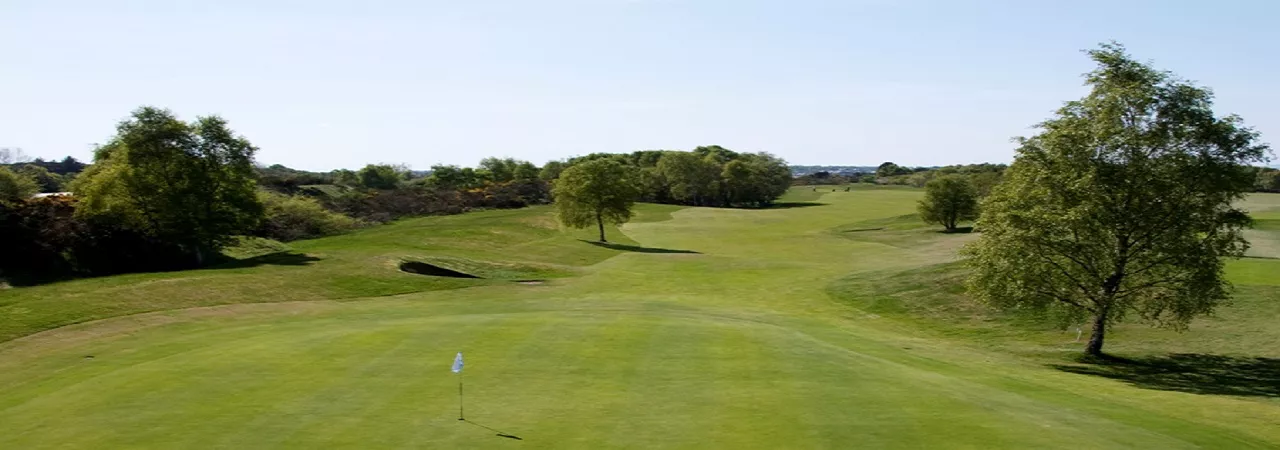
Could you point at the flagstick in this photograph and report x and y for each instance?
(460, 416)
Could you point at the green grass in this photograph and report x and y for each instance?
(769, 328)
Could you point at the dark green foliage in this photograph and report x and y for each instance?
(66, 166)
(191, 184)
(706, 176)
(948, 200)
(44, 239)
(1268, 180)
(551, 170)
(286, 180)
(1123, 204)
(889, 169)
(16, 187)
(452, 177)
(46, 180)
(381, 176)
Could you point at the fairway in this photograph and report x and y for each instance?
(833, 321)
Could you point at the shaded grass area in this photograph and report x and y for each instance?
(636, 248)
(1189, 372)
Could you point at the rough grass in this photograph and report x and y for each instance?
(752, 329)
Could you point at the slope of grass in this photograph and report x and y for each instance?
(353, 266)
(705, 328)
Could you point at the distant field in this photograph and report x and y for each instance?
(835, 320)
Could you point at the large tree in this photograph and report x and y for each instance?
(187, 183)
(594, 192)
(1121, 205)
(948, 200)
(692, 178)
(381, 176)
(16, 186)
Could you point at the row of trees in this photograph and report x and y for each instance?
(705, 176)
(166, 194)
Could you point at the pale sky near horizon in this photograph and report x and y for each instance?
(324, 84)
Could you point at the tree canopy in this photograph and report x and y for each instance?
(15, 186)
(948, 200)
(188, 183)
(1121, 205)
(380, 176)
(594, 192)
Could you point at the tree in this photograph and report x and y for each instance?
(888, 169)
(187, 183)
(346, 177)
(596, 191)
(46, 180)
(15, 186)
(1122, 204)
(453, 178)
(692, 179)
(500, 170)
(525, 171)
(552, 170)
(380, 176)
(948, 200)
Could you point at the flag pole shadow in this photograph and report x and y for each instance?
(499, 433)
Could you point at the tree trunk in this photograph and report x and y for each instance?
(600, 223)
(1098, 335)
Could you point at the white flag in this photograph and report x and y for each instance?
(457, 363)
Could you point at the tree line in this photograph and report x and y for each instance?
(165, 194)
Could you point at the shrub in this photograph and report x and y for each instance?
(291, 218)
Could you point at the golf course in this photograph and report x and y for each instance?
(834, 319)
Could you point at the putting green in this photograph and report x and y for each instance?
(710, 328)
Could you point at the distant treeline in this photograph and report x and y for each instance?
(983, 176)
(165, 194)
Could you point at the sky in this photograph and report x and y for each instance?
(325, 84)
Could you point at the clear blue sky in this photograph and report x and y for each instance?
(321, 84)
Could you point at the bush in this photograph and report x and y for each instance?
(289, 218)
(384, 206)
(16, 187)
(43, 238)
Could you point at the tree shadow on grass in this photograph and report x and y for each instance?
(634, 248)
(1189, 372)
(273, 259)
(789, 205)
(958, 230)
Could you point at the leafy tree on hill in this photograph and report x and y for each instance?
(889, 169)
(551, 170)
(16, 187)
(451, 177)
(48, 181)
(499, 170)
(187, 183)
(346, 177)
(1122, 205)
(380, 176)
(594, 192)
(948, 200)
